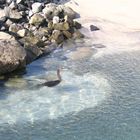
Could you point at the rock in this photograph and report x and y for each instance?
(44, 31)
(49, 9)
(33, 46)
(68, 19)
(55, 19)
(8, 1)
(94, 28)
(33, 52)
(15, 28)
(12, 56)
(77, 25)
(2, 13)
(13, 5)
(37, 19)
(36, 7)
(77, 35)
(6, 36)
(19, 1)
(57, 36)
(63, 26)
(32, 41)
(15, 15)
(50, 25)
(67, 34)
(69, 12)
(2, 1)
(49, 48)
(22, 32)
(16, 83)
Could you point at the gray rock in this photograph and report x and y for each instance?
(2, 1)
(15, 15)
(13, 5)
(8, 1)
(49, 9)
(77, 25)
(36, 7)
(57, 36)
(68, 11)
(2, 13)
(94, 28)
(33, 46)
(12, 56)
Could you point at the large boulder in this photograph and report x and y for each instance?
(12, 56)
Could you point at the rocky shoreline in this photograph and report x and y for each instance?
(32, 28)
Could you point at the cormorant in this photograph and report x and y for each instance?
(53, 82)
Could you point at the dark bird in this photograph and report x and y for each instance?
(53, 82)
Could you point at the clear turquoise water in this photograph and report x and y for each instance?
(97, 99)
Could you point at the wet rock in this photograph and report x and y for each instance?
(49, 48)
(63, 26)
(37, 19)
(16, 83)
(94, 28)
(55, 19)
(77, 35)
(12, 56)
(67, 34)
(57, 36)
(33, 52)
(77, 25)
(36, 7)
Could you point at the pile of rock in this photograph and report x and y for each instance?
(38, 25)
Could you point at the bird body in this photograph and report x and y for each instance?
(51, 83)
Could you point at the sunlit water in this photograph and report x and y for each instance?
(98, 97)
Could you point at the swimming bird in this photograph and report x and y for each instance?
(53, 82)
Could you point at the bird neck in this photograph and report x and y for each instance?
(58, 75)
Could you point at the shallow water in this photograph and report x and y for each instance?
(97, 99)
